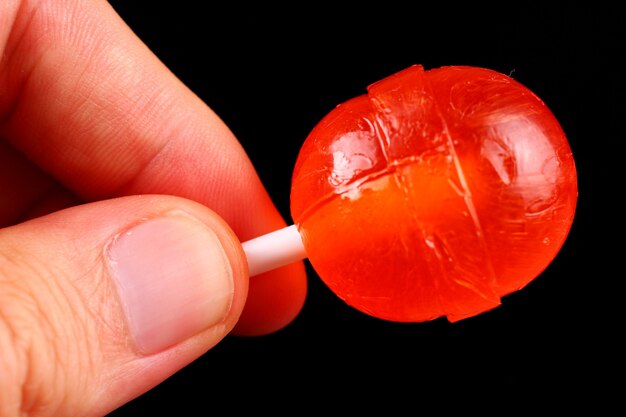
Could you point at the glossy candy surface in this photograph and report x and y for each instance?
(434, 194)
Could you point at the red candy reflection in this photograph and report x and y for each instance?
(435, 194)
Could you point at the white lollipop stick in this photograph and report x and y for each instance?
(273, 250)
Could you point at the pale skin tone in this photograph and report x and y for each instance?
(88, 114)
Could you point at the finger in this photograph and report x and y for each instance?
(26, 191)
(101, 302)
(90, 104)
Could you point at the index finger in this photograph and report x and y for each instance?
(87, 101)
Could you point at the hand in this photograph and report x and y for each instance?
(123, 200)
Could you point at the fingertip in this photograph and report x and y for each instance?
(275, 299)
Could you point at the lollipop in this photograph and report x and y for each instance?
(435, 194)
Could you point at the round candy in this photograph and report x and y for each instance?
(434, 194)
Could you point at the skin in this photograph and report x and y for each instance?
(95, 134)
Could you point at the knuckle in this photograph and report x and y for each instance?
(42, 338)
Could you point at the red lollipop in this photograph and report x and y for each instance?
(435, 194)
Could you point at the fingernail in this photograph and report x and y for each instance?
(173, 278)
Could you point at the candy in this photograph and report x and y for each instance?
(435, 194)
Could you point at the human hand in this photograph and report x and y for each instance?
(123, 199)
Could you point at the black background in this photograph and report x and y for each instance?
(272, 73)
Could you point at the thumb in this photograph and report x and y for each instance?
(101, 302)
